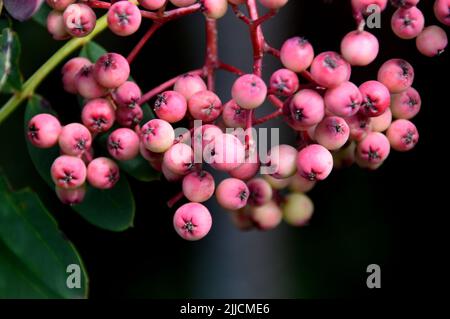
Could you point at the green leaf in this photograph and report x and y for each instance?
(34, 254)
(10, 77)
(92, 51)
(112, 209)
(41, 16)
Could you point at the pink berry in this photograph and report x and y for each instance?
(155, 159)
(249, 91)
(363, 6)
(56, 27)
(305, 109)
(170, 176)
(233, 115)
(297, 54)
(189, 84)
(152, 4)
(441, 11)
(79, 19)
(111, 69)
(260, 192)
(44, 130)
(127, 95)
(407, 23)
(214, 9)
(129, 117)
(359, 48)
(74, 139)
(249, 168)
(329, 69)
(157, 135)
(406, 105)
(360, 126)
(376, 98)
(282, 161)
(170, 106)
(198, 186)
(344, 100)
(59, 5)
(183, 3)
(179, 159)
(224, 153)
(232, 194)
(192, 221)
(123, 144)
(298, 209)
(205, 106)
(314, 162)
(284, 82)
(332, 133)
(382, 122)
(273, 4)
(396, 74)
(124, 18)
(71, 196)
(402, 135)
(86, 84)
(202, 136)
(432, 41)
(103, 173)
(267, 216)
(70, 71)
(373, 149)
(68, 172)
(98, 115)
(300, 184)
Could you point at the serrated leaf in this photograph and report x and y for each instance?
(10, 78)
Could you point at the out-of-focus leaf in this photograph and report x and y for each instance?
(41, 16)
(34, 254)
(10, 78)
(22, 9)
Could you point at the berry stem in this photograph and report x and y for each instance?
(98, 4)
(230, 68)
(268, 117)
(212, 60)
(172, 202)
(133, 54)
(171, 14)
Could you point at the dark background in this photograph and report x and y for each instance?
(393, 217)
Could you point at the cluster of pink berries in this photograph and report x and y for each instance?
(337, 122)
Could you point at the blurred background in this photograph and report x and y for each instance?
(389, 217)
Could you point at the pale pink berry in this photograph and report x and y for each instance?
(406, 105)
(170, 176)
(198, 186)
(298, 209)
(127, 95)
(183, 3)
(314, 162)
(129, 117)
(381, 122)
(123, 144)
(157, 135)
(232, 194)
(68, 172)
(376, 98)
(44, 130)
(189, 84)
(267, 216)
(305, 109)
(86, 84)
(124, 18)
(284, 82)
(407, 23)
(300, 184)
(402, 135)
(103, 173)
(249, 91)
(364, 6)
(71, 196)
(192, 221)
(205, 106)
(282, 161)
(273, 4)
(170, 106)
(260, 192)
(360, 126)
(441, 11)
(70, 71)
(225, 152)
(332, 133)
(60, 5)
(111, 69)
(202, 136)
(432, 41)
(56, 27)
(98, 115)
(396, 74)
(297, 54)
(233, 115)
(155, 159)
(359, 48)
(152, 4)
(74, 139)
(214, 9)
(344, 100)
(373, 149)
(329, 69)
(79, 19)
(179, 159)
(249, 168)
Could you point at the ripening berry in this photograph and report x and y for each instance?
(406, 105)
(56, 27)
(189, 84)
(232, 194)
(152, 4)
(305, 109)
(260, 192)
(79, 19)
(284, 82)
(124, 18)
(314, 162)
(407, 23)
(179, 159)
(359, 48)
(344, 100)
(123, 144)
(192, 221)
(86, 84)
(74, 139)
(282, 161)
(441, 11)
(277, 183)
(273, 4)
(68, 172)
(127, 95)
(103, 173)
(402, 135)
(300, 184)
(157, 135)
(71, 196)
(376, 98)
(267, 216)
(111, 70)
(44, 130)
(360, 126)
(183, 3)
(224, 153)
(382, 122)
(332, 133)
(297, 54)
(233, 115)
(329, 69)
(364, 6)
(205, 106)
(70, 71)
(129, 117)
(298, 209)
(98, 115)
(432, 41)
(249, 91)
(214, 9)
(396, 74)
(170, 106)
(198, 186)
(373, 149)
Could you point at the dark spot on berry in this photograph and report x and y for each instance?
(298, 115)
(160, 101)
(243, 195)
(189, 226)
(330, 62)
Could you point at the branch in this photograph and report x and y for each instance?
(155, 26)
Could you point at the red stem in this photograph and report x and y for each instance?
(268, 117)
(98, 4)
(155, 26)
(275, 101)
(211, 59)
(171, 202)
(171, 14)
(230, 68)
